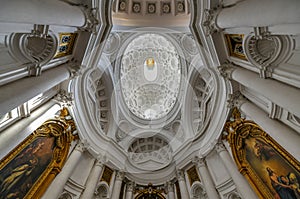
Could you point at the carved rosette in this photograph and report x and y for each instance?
(65, 98)
(267, 52)
(91, 19)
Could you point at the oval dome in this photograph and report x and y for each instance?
(150, 76)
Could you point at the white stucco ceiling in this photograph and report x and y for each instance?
(150, 76)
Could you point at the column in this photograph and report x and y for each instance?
(13, 135)
(288, 138)
(283, 95)
(129, 190)
(57, 185)
(170, 190)
(93, 179)
(239, 180)
(182, 185)
(117, 185)
(259, 13)
(21, 91)
(41, 12)
(206, 179)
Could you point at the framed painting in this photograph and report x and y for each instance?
(66, 44)
(271, 170)
(28, 169)
(235, 45)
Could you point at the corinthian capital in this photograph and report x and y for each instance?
(169, 186)
(226, 70)
(235, 100)
(200, 162)
(210, 22)
(130, 186)
(92, 21)
(82, 145)
(220, 147)
(180, 175)
(64, 98)
(120, 175)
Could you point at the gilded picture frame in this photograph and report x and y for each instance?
(235, 45)
(268, 167)
(66, 44)
(28, 170)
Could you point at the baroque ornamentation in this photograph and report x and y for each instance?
(64, 98)
(150, 153)
(38, 159)
(260, 158)
(112, 43)
(180, 175)
(235, 100)
(226, 70)
(180, 7)
(136, 7)
(150, 91)
(166, 8)
(169, 187)
(91, 16)
(120, 176)
(65, 195)
(266, 51)
(151, 8)
(130, 186)
(210, 23)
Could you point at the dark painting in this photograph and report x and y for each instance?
(281, 178)
(20, 174)
(235, 45)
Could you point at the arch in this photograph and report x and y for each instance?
(200, 97)
(198, 191)
(234, 195)
(65, 195)
(102, 191)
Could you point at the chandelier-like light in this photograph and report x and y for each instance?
(150, 63)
